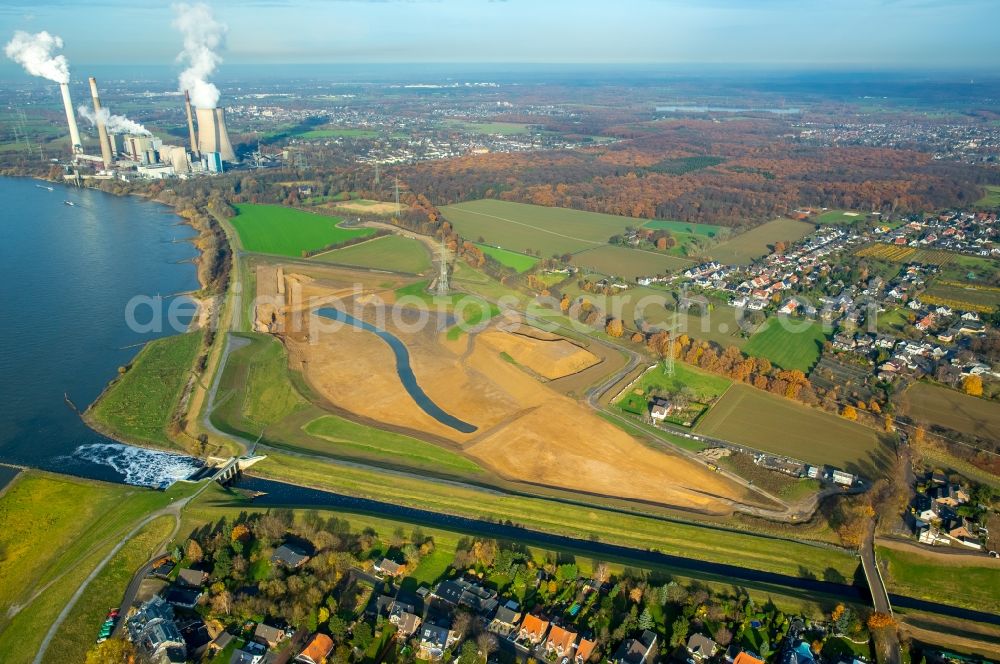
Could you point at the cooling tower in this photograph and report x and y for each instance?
(176, 157)
(187, 107)
(102, 130)
(74, 133)
(212, 134)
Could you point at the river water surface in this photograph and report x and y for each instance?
(68, 274)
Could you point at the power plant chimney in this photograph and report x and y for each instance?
(212, 133)
(74, 133)
(102, 130)
(187, 107)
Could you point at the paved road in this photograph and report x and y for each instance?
(887, 640)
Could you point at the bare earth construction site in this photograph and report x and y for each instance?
(492, 377)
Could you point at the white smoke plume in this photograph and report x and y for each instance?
(203, 36)
(116, 124)
(34, 52)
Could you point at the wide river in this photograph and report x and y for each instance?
(69, 273)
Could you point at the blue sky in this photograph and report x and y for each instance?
(859, 34)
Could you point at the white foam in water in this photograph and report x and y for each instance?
(138, 465)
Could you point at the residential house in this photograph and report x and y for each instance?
(386, 567)
(434, 640)
(289, 556)
(743, 657)
(533, 629)
(560, 641)
(661, 409)
(192, 578)
(460, 592)
(153, 630)
(701, 647)
(185, 598)
(316, 651)
(506, 620)
(641, 650)
(584, 651)
(268, 635)
(407, 623)
(250, 653)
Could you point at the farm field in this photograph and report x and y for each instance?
(975, 586)
(689, 228)
(391, 252)
(522, 227)
(838, 217)
(140, 404)
(963, 296)
(721, 325)
(788, 343)
(992, 197)
(339, 132)
(904, 254)
(628, 263)
(934, 404)
(366, 206)
(273, 229)
(744, 248)
(773, 424)
(512, 259)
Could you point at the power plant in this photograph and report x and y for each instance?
(127, 150)
(74, 133)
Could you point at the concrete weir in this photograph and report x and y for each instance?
(231, 469)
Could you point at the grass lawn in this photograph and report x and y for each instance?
(273, 229)
(254, 390)
(756, 242)
(925, 577)
(992, 197)
(392, 252)
(702, 387)
(542, 514)
(140, 404)
(774, 424)
(690, 228)
(934, 404)
(838, 217)
(516, 261)
(83, 623)
(788, 342)
(56, 529)
(348, 434)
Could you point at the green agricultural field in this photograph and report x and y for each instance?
(788, 342)
(343, 433)
(992, 197)
(774, 424)
(341, 132)
(628, 263)
(721, 324)
(514, 260)
(832, 217)
(254, 390)
(83, 623)
(934, 404)
(746, 247)
(141, 403)
(703, 386)
(522, 227)
(959, 293)
(392, 252)
(688, 228)
(273, 229)
(926, 577)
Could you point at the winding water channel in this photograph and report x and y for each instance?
(403, 369)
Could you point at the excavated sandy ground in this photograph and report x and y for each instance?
(550, 359)
(526, 431)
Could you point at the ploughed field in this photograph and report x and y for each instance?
(933, 404)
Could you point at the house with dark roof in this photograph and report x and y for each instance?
(505, 621)
(435, 639)
(641, 650)
(268, 635)
(701, 647)
(155, 634)
(192, 578)
(289, 556)
(459, 592)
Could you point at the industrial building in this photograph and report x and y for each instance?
(128, 156)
